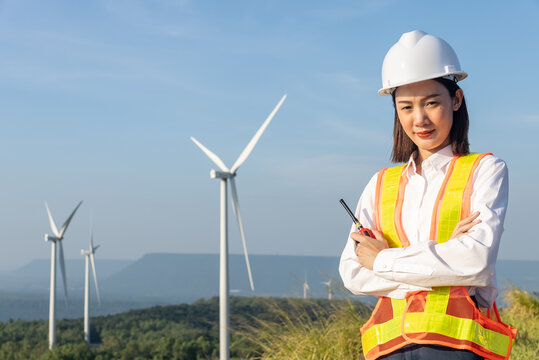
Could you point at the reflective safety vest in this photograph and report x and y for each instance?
(445, 315)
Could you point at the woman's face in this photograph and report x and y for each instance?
(425, 111)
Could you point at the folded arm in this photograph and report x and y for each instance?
(466, 260)
(359, 279)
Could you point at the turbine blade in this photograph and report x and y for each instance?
(95, 248)
(216, 160)
(247, 151)
(51, 221)
(236, 207)
(63, 269)
(66, 224)
(95, 279)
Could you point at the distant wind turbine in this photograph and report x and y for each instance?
(226, 174)
(57, 237)
(330, 290)
(306, 288)
(89, 257)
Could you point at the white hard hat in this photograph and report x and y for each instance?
(418, 56)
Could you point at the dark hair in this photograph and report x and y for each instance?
(403, 146)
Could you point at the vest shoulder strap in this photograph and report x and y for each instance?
(390, 186)
(454, 197)
(452, 203)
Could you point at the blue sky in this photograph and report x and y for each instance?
(98, 100)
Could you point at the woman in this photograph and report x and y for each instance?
(437, 220)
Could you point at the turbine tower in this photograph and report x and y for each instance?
(89, 257)
(224, 175)
(56, 238)
(330, 290)
(306, 287)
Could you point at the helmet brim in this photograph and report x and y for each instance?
(387, 91)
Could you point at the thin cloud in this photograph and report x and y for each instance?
(531, 119)
(343, 78)
(354, 11)
(164, 17)
(310, 174)
(353, 130)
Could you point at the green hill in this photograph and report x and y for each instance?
(261, 328)
(161, 332)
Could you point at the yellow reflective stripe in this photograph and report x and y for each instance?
(390, 192)
(398, 306)
(437, 300)
(381, 333)
(457, 328)
(451, 207)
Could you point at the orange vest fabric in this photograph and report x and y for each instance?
(446, 315)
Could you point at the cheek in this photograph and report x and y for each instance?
(406, 124)
(447, 121)
(443, 119)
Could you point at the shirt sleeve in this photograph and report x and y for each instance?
(464, 261)
(358, 279)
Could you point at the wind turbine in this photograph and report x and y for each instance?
(89, 257)
(306, 287)
(224, 175)
(57, 237)
(330, 290)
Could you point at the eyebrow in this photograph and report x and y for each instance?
(423, 98)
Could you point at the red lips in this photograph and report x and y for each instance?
(424, 134)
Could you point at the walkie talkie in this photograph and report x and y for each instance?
(362, 230)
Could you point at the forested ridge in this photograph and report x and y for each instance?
(186, 331)
(261, 328)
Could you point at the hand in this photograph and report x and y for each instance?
(368, 248)
(464, 226)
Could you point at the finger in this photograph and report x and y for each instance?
(368, 243)
(373, 245)
(469, 219)
(472, 217)
(464, 228)
(380, 237)
(467, 227)
(357, 237)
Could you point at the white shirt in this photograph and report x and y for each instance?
(467, 260)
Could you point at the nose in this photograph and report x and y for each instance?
(420, 116)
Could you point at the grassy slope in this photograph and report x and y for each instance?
(335, 335)
(262, 328)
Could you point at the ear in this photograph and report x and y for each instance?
(457, 99)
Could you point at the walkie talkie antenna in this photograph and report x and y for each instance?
(360, 228)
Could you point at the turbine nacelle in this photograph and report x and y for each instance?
(52, 238)
(216, 174)
(89, 251)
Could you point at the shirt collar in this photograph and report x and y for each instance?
(437, 160)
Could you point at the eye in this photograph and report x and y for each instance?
(432, 103)
(406, 107)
